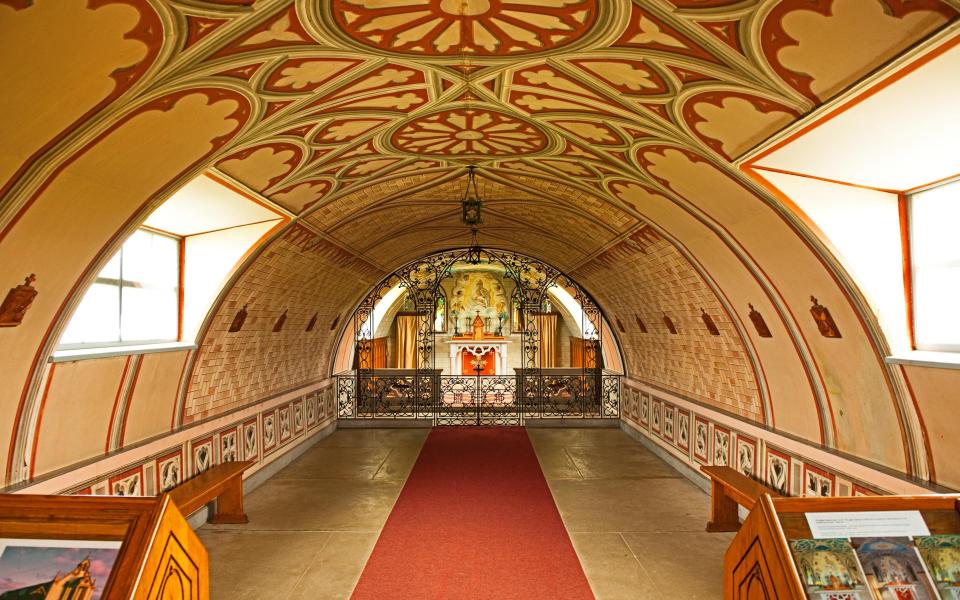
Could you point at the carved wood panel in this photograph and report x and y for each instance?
(177, 567)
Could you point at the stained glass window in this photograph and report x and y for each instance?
(440, 313)
(516, 319)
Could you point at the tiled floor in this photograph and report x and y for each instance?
(636, 524)
(313, 525)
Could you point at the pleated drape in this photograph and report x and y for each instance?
(548, 340)
(407, 341)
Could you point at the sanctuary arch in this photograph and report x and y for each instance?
(478, 336)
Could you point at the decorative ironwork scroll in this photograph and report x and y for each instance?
(420, 392)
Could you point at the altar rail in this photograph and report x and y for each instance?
(479, 400)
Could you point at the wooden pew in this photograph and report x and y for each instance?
(223, 483)
(728, 489)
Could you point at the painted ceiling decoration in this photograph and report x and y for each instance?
(474, 28)
(582, 116)
(555, 90)
(604, 133)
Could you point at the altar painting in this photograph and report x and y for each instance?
(486, 361)
(829, 570)
(893, 569)
(479, 292)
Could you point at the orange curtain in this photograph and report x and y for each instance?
(407, 341)
(576, 352)
(548, 340)
(380, 353)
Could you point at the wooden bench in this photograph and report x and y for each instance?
(728, 489)
(223, 483)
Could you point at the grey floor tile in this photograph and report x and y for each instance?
(636, 525)
(334, 572)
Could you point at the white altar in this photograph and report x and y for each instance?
(478, 348)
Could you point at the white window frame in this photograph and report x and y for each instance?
(119, 285)
(913, 234)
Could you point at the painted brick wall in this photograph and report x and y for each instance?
(646, 277)
(301, 274)
(699, 436)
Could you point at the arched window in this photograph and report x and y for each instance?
(158, 288)
(440, 313)
(516, 319)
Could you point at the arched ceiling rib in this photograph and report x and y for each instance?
(537, 94)
(604, 132)
(511, 211)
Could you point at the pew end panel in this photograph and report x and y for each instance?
(159, 555)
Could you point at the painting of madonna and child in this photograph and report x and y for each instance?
(55, 569)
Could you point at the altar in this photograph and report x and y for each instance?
(492, 351)
(482, 349)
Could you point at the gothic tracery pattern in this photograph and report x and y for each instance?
(583, 110)
(470, 27)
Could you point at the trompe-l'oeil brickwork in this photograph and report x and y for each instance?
(645, 277)
(299, 275)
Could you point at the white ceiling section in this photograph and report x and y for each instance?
(205, 205)
(904, 136)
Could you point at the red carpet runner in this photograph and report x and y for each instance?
(475, 520)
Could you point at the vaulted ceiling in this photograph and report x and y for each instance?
(557, 101)
(605, 133)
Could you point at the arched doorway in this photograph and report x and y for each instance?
(479, 337)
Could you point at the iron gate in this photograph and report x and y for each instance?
(422, 392)
(478, 399)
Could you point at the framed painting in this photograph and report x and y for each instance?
(30, 568)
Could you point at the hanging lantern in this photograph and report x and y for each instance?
(471, 202)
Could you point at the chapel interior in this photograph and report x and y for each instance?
(480, 299)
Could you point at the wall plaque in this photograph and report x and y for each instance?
(17, 302)
(825, 323)
(709, 323)
(759, 323)
(278, 326)
(669, 323)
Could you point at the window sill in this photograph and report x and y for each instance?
(88, 353)
(918, 358)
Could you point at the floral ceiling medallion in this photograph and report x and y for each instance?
(468, 132)
(465, 27)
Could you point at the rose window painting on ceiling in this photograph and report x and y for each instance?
(465, 27)
(469, 132)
